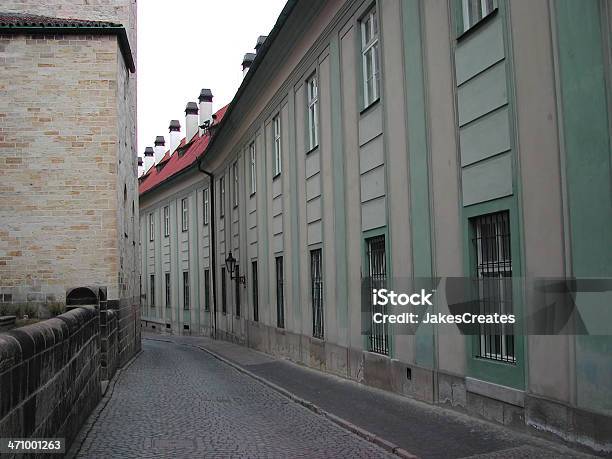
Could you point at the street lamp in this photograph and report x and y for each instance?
(230, 264)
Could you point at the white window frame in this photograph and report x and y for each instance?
(222, 197)
(276, 126)
(205, 204)
(486, 7)
(166, 221)
(369, 50)
(312, 85)
(151, 228)
(253, 163)
(184, 214)
(235, 184)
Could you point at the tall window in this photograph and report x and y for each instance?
(491, 244)
(168, 289)
(370, 57)
(280, 294)
(253, 167)
(377, 278)
(151, 227)
(205, 204)
(237, 290)
(475, 10)
(152, 290)
(207, 290)
(221, 197)
(184, 214)
(313, 115)
(223, 292)
(166, 221)
(255, 287)
(316, 291)
(186, 290)
(235, 183)
(277, 145)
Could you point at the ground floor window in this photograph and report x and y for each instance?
(255, 288)
(152, 290)
(237, 290)
(316, 293)
(186, 290)
(207, 290)
(377, 278)
(168, 289)
(280, 294)
(223, 292)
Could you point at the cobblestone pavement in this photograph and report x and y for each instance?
(177, 401)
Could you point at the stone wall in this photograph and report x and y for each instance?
(50, 375)
(109, 344)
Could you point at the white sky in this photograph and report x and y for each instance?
(187, 45)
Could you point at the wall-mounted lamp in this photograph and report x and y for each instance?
(230, 264)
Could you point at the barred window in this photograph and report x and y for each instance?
(280, 294)
(152, 291)
(168, 290)
(377, 278)
(186, 296)
(316, 288)
(223, 292)
(237, 290)
(491, 244)
(255, 287)
(207, 290)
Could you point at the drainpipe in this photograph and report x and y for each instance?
(213, 245)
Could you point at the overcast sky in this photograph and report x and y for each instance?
(187, 45)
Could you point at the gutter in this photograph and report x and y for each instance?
(114, 29)
(213, 245)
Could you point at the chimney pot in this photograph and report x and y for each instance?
(175, 135)
(205, 99)
(205, 95)
(148, 158)
(160, 148)
(260, 41)
(191, 120)
(174, 126)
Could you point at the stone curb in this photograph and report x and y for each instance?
(366, 435)
(107, 394)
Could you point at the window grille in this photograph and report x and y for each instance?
(255, 288)
(280, 294)
(237, 290)
(316, 285)
(207, 290)
(186, 298)
(152, 289)
(168, 290)
(223, 292)
(377, 277)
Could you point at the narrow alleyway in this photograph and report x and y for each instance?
(176, 400)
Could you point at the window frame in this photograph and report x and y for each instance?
(255, 290)
(207, 289)
(184, 214)
(253, 167)
(373, 45)
(222, 196)
(166, 221)
(237, 291)
(280, 292)
(317, 293)
(205, 205)
(186, 291)
(277, 145)
(151, 228)
(312, 105)
(168, 290)
(223, 291)
(235, 184)
(485, 8)
(152, 291)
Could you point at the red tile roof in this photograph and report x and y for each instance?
(183, 157)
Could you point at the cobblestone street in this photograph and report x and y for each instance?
(177, 401)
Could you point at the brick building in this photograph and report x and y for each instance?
(68, 187)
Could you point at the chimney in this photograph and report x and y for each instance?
(140, 166)
(205, 99)
(247, 62)
(175, 135)
(160, 148)
(260, 41)
(191, 120)
(148, 159)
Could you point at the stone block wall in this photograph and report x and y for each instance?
(50, 375)
(108, 344)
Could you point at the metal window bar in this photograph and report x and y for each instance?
(377, 275)
(494, 277)
(255, 288)
(223, 292)
(317, 294)
(152, 287)
(237, 290)
(168, 291)
(186, 298)
(280, 296)
(207, 290)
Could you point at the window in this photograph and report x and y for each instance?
(277, 145)
(151, 227)
(280, 294)
(222, 196)
(377, 277)
(168, 290)
(491, 245)
(184, 214)
(370, 58)
(207, 290)
(152, 290)
(316, 289)
(205, 204)
(253, 168)
(474, 10)
(185, 290)
(235, 183)
(223, 292)
(313, 115)
(166, 221)
(255, 288)
(237, 290)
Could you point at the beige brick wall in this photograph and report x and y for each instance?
(59, 139)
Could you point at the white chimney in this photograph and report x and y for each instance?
(140, 166)
(205, 100)
(148, 159)
(159, 148)
(175, 135)
(247, 61)
(191, 120)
